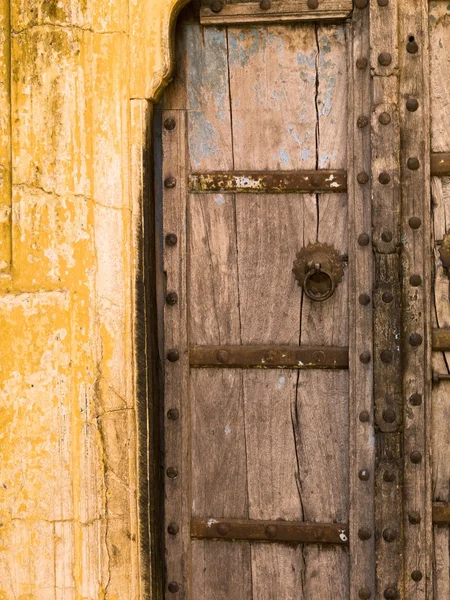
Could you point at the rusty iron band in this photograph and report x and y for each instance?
(440, 164)
(269, 531)
(269, 182)
(269, 357)
(441, 339)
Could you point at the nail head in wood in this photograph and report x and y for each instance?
(364, 593)
(170, 124)
(412, 46)
(386, 356)
(362, 122)
(173, 528)
(171, 239)
(173, 414)
(362, 177)
(223, 529)
(170, 182)
(390, 594)
(386, 236)
(384, 178)
(265, 4)
(413, 163)
(415, 222)
(223, 356)
(172, 472)
(173, 355)
(383, 2)
(415, 399)
(389, 415)
(364, 533)
(364, 416)
(412, 105)
(361, 3)
(364, 475)
(387, 297)
(361, 63)
(415, 280)
(172, 298)
(414, 517)
(415, 457)
(384, 118)
(216, 6)
(389, 535)
(364, 299)
(173, 587)
(271, 531)
(415, 339)
(385, 59)
(416, 575)
(363, 239)
(364, 357)
(313, 4)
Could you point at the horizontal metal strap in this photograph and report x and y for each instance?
(441, 513)
(269, 182)
(441, 339)
(274, 11)
(269, 357)
(269, 531)
(440, 163)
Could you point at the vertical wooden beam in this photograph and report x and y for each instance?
(176, 359)
(362, 449)
(5, 135)
(416, 259)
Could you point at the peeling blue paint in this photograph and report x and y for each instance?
(304, 60)
(220, 200)
(294, 134)
(305, 154)
(204, 141)
(243, 46)
(284, 157)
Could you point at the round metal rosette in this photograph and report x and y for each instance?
(318, 268)
(444, 252)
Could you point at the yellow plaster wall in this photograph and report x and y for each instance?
(77, 80)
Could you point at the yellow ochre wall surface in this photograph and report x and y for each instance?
(77, 82)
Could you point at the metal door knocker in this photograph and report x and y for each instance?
(318, 269)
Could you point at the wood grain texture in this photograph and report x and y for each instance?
(361, 446)
(439, 34)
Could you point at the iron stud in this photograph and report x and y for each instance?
(386, 236)
(173, 355)
(389, 476)
(315, 180)
(412, 105)
(415, 280)
(390, 593)
(364, 593)
(313, 3)
(173, 414)
(170, 182)
(364, 299)
(384, 59)
(265, 4)
(415, 457)
(362, 122)
(363, 239)
(384, 178)
(414, 517)
(361, 63)
(389, 535)
(364, 416)
(362, 177)
(386, 355)
(169, 124)
(172, 472)
(414, 222)
(412, 46)
(413, 163)
(387, 297)
(364, 533)
(389, 415)
(384, 118)
(361, 3)
(416, 576)
(364, 357)
(216, 6)
(223, 356)
(223, 529)
(173, 528)
(383, 2)
(415, 339)
(271, 531)
(171, 239)
(172, 298)
(173, 587)
(416, 399)
(364, 475)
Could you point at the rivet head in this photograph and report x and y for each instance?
(414, 222)
(389, 535)
(412, 105)
(416, 575)
(315, 180)
(364, 299)
(412, 47)
(413, 163)
(387, 297)
(415, 280)
(173, 414)
(172, 298)
(216, 6)
(172, 472)
(415, 339)
(169, 124)
(313, 3)
(414, 517)
(364, 593)
(271, 531)
(361, 3)
(386, 355)
(173, 528)
(383, 2)
(390, 593)
(415, 457)
(362, 177)
(384, 59)
(386, 236)
(384, 178)
(171, 239)
(364, 475)
(173, 355)
(170, 182)
(364, 416)
(223, 356)
(384, 118)
(363, 239)
(389, 476)
(415, 399)
(223, 529)
(265, 4)
(389, 415)
(364, 357)
(173, 587)
(361, 63)
(364, 533)
(362, 122)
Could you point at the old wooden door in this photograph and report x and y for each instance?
(293, 174)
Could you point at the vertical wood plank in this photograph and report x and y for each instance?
(361, 445)
(176, 373)
(439, 33)
(415, 257)
(5, 135)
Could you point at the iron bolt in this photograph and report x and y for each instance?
(364, 533)
(173, 587)
(387, 297)
(173, 355)
(364, 475)
(271, 531)
(265, 4)
(415, 222)
(364, 299)
(415, 280)
(389, 476)
(361, 3)
(223, 356)
(223, 529)
(413, 163)
(390, 593)
(416, 457)
(363, 239)
(383, 2)
(384, 178)
(173, 528)
(315, 181)
(364, 416)
(414, 517)
(384, 59)
(313, 3)
(361, 63)
(384, 118)
(169, 124)
(364, 357)
(416, 399)
(170, 182)
(386, 236)
(416, 576)
(362, 177)
(172, 472)
(362, 122)
(389, 535)
(173, 414)
(364, 593)
(415, 339)
(412, 105)
(389, 415)
(386, 356)
(172, 298)
(171, 239)
(216, 6)
(412, 46)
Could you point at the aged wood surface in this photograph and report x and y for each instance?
(438, 75)
(441, 513)
(238, 13)
(441, 339)
(361, 446)
(440, 161)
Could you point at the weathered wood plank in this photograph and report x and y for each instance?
(440, 162)
(5, 135)
(439, 34)
(239, 13)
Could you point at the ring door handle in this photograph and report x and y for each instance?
(318, 269)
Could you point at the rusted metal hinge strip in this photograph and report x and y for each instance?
(441, 513)
(273, 11)
(441, 339)
(269, 531)
(269, 357)
(440, 163)
(269, 182)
